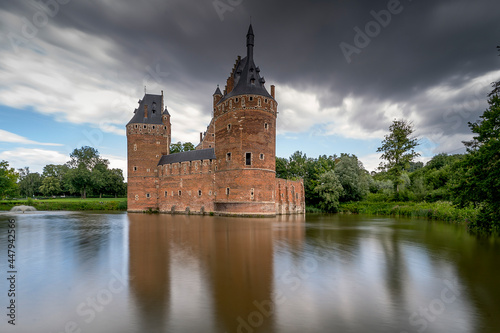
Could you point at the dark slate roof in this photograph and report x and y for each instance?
(217, 91)
(154, 103)
(247, 79)
(187, 156)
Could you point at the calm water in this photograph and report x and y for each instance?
(93, 272)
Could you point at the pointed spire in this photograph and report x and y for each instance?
(250, 41)
(217, 91)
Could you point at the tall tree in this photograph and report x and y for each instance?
(50, 186)
(480, 169)
(353, 177)
(58, 171)
(29, 182)
(329, 190)
(8, 180)
(82, 162)
(398, 150)
(87, 157)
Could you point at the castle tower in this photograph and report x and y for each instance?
(245, 141)
(148, 138)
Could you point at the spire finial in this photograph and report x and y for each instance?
(250, 41)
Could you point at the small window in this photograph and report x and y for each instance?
(180, 193)
(213, 134)
(135, 126)
(259, 102)
(144, 126)
(135, 168)
(166, 194)
(252, 193)
(136, 197)
(209, 146)
(227, 190)
(228, 127)
(261, 156)
(265, 100)
(148, 170)
(266, 126)
(199, 193)
(237, 99)
(153, 126)
(148, 195)
(228, 157)
(210, 193)
(248, 159)
(251, 97)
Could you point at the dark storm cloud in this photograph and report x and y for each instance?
(426, 44)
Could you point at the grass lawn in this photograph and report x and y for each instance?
(70, 203)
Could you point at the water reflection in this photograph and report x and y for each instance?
(163, 273)
(225, 265)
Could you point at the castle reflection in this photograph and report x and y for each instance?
(225, 265)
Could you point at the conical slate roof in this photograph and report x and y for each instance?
(247, 79)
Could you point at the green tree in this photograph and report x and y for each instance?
(82, 162)
(29, 182)
(480, 181)
(180, 147)
(58, 171)
(99, 178)
(115, 182)
(353, 177)
(398, 148)
(86, 156)
(329, 190)
(8, 180)
(50, 186)
(282, 168)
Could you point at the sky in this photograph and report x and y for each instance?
(72, 72)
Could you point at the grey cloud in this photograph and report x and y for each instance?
(427, 45)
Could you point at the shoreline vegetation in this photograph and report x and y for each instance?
(440, 210)
(68, 204)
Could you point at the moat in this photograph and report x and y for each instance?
(95, 272)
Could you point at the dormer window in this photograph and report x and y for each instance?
(154, 107)
(252, 81)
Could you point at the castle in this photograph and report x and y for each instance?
(231, 172)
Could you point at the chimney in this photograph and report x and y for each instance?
(145, 111)
(272, 90)
(201, 137)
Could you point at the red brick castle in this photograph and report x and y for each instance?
(232, 170)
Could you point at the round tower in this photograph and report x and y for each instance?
(245, 141)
